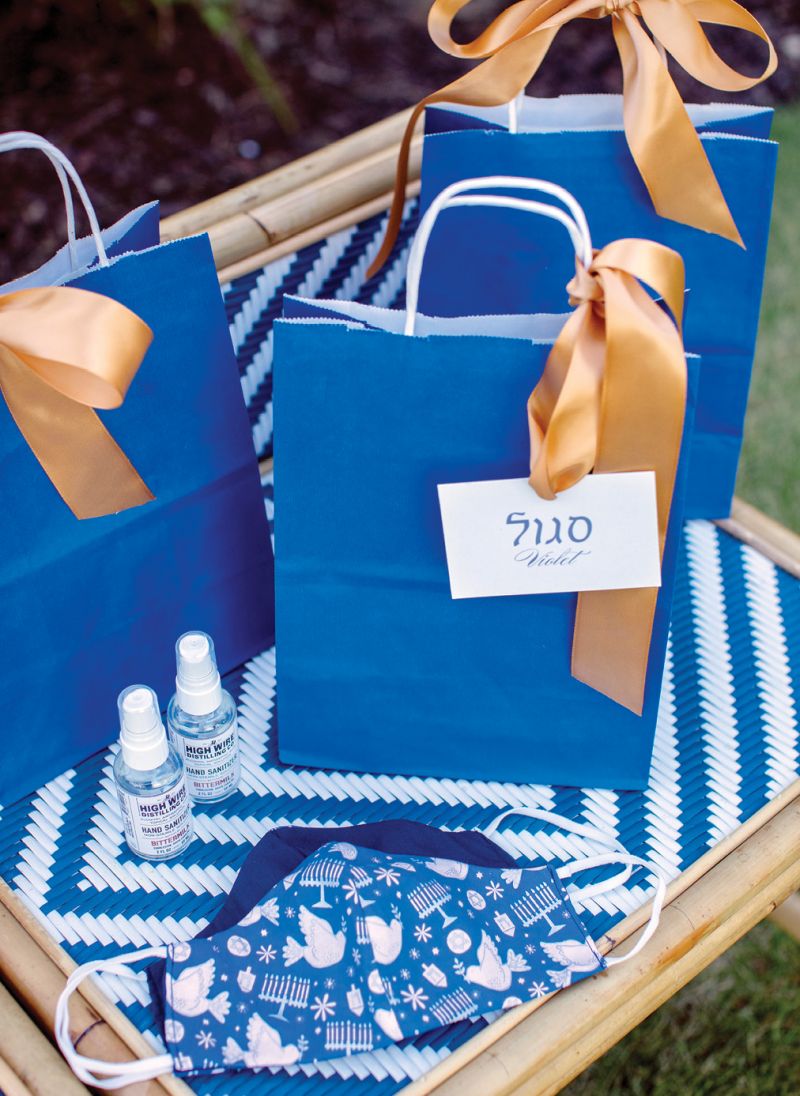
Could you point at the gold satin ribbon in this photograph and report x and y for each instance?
(64, 351)
(660, 134)
(612, 399)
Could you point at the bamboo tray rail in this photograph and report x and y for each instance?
(28, 1060)
(36, 968)
(323, 191)
(710, 905)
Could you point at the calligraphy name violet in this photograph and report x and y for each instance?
(578, 530)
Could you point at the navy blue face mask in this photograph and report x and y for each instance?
(356, 949)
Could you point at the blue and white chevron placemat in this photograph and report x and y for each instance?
(334, 267)
(727, 743)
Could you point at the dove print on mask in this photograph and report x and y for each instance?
(389, 949)
(574, 956)
(491, 973)
(264, 1047)
(188, 994)
(356, 950)
(386, 940)
(322, 948)
(450, 869)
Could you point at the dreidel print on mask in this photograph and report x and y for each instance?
(355, 1001)
(202, 721)
(288, 985)
(150, 781)
(246, 980)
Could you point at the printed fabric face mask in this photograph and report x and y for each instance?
(356, 950)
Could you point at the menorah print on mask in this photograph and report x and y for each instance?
(420, 954)
(357, 949)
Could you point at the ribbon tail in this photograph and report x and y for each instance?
(613, 628)
(492, 83)
(611, 643)
(77, 453)
(662, 138)
(399, 196)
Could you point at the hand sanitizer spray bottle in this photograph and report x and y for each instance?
(156, 810)
(202, 721)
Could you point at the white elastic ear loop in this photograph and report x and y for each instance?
(65, 169)
(658, 897)
(591, 833)
(618, 856)
(575, 222)
(582, 829)
(93, 1071)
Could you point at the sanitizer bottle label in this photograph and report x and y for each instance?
(211, 764)
(157, 826)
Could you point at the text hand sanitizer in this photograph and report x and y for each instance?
(156, 810)
(202, 721)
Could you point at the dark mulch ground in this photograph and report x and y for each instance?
(156, 106)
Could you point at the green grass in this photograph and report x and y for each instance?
(735, 1030)
(768, 475)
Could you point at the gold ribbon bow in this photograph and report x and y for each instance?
(612, 399)
(64, 351)
(661, 136)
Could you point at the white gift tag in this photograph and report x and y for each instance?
(501, 538)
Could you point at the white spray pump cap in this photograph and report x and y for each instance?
(198, 689)
(141, 731)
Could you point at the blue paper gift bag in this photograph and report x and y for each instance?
(378, 668)
(88, 607)
(495, 264)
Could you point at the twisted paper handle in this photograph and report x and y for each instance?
(64, 351)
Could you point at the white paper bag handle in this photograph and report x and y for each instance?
(457, 194)
(66, 171)
(514, 108)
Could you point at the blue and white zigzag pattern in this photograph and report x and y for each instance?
(334, 268)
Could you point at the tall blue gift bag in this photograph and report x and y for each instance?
(495, 264)
(696, 178)
(90, 606)
(378, 668)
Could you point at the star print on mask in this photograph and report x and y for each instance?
(355, 950)
(341, 977)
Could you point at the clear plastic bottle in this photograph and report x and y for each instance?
(201, 718)
(150, 780)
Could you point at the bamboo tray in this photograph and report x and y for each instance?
(713, 902)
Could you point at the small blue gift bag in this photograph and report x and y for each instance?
(379, 669)
(578, 141)
(90, 606)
